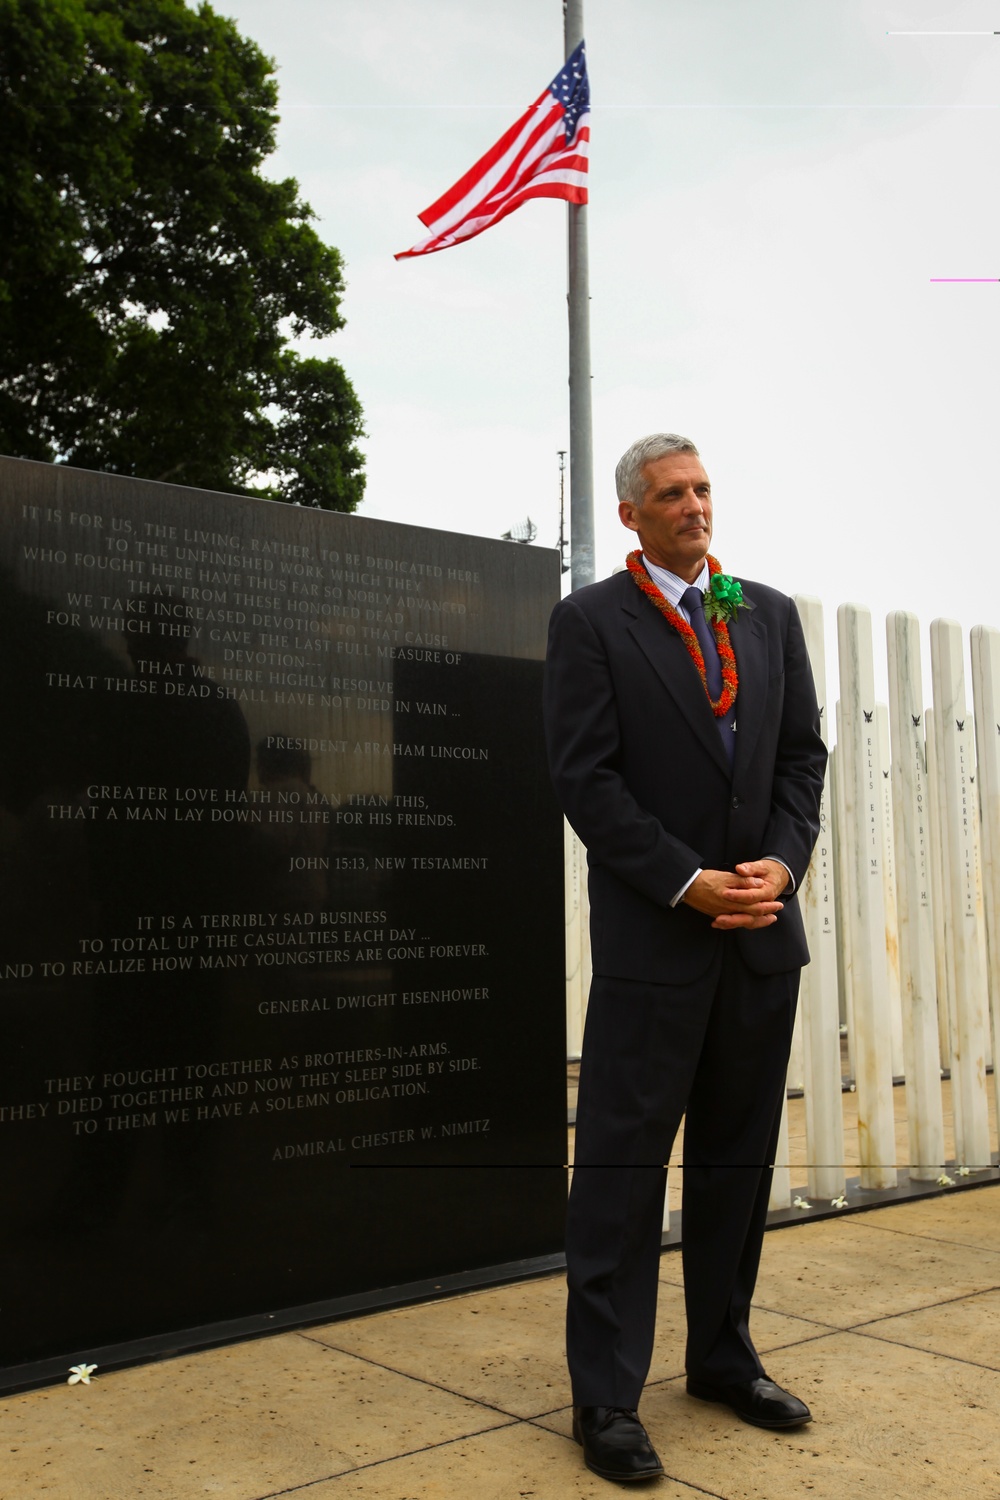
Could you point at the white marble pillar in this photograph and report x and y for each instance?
(845, 997)
(819, 1009)
(977, 843)
(865, 907)
(586, 959)
(977, 839)
(986, 693)
(795, 1074)
(914, 920)
(576, 994)
(889, 891)
(957, 803)
(939, 907)
(781, 1177)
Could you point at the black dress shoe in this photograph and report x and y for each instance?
(758, 1401)
(615, 1445)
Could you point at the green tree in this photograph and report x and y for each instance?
(151, 278)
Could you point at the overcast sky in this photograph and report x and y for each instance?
(773, 186)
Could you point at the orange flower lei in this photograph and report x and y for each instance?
(730, 676)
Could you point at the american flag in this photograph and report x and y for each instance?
(543, 155)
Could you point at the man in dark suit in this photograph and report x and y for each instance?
(686, 753)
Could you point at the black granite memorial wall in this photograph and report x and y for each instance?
(281, 977)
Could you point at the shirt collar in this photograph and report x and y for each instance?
(670, 585)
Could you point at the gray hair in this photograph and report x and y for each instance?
(628, 475)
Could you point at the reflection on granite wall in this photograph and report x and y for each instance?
(281, 959)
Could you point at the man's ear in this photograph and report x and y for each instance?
(627, 514)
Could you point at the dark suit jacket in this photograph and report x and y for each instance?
(640, 771)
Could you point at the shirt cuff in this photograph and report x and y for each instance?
(686, 887)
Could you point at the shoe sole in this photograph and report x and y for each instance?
(770, 1424)
(618, 1478)
(622, 1478)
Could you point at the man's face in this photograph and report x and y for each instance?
(674, 522)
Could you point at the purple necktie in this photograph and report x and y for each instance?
(694, 602)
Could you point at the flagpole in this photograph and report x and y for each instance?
(581, 449)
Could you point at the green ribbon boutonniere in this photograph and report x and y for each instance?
(723, 598)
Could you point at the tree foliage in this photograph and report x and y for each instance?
(151, 278)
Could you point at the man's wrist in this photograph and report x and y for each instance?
(685, 888)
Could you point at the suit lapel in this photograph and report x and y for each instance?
(668, 656)
(749, 642)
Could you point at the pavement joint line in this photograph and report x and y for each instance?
(553, 1411)
(813, 1322)
(375, 1463)
(698, 1489)
(814, 1338)
(955, 1359)
(407, 1375)
(903, 1312)
(828, 1328)
(934, 1239)
(924, 1307)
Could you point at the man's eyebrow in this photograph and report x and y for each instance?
(677, 489)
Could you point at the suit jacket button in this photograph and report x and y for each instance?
(736, 801)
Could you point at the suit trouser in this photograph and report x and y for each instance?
(716, 1049)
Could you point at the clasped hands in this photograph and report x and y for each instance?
(746, 898)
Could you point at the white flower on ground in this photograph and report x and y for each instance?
(801, 1203)
(80, 1374)
(945, 1181)
(840, 1202)
(964, 1171)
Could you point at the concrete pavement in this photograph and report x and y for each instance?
(887, 1323)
